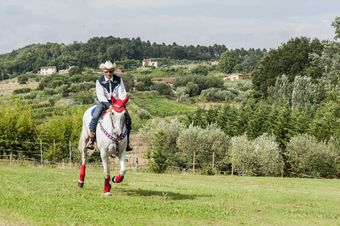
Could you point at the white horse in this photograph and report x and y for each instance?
(111, 139)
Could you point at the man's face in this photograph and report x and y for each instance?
(108, 73)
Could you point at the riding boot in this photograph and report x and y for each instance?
(91, 139)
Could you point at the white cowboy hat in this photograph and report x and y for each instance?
(108, 65)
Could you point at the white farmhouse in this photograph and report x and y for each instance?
(149, 63)
(48, 70)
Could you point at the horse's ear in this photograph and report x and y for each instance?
(113, 99)
(125, 100)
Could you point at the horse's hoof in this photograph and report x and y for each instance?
(107, 194)
(117, 179)
(80, 184)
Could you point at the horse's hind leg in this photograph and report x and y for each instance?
(107, 185)
(82, 169)
(83, 150)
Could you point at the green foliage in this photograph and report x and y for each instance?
(203, 143)
(143, 83)
(74, 70)
(158, 105)
(336, 25)
(22, 79)
(196, 84)
(309, 157)
(128, 82)
(22, 90)
(240, 60)
(326, 122)
(158, 159)
(162, 89)
(201, 70)
(229, 60)
(291, 59)
(58, 132)
(127, 52)
(17, 128)
(260, 157)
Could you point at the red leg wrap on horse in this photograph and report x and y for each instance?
(107, 185)
(119, 178)
(82, 173)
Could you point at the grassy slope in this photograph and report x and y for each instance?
(49, 196)
(8, 86)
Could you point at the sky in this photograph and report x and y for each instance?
(234, 23)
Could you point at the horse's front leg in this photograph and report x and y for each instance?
(122, 171)
(107, 185)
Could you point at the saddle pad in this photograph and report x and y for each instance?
(93, 110)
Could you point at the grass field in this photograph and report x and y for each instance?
(32, 195)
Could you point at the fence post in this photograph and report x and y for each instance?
(193, 162)
(70, 149)
(41, 155)
(53, 145)
(213, 161)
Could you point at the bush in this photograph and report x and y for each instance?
(22, 79)
(260, 157)
(144, 114)
(74, 70)
(309, 157)
(22, 90)
(30, 96)
(85, 86)
(49, 92)
(203, 143)
(140, 86)
(200, 70)
(162, 89)
(170, 131)
(158, 159)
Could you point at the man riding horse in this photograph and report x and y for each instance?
(108, 85)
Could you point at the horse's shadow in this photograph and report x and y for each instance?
(159, 194)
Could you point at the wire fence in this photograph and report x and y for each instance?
(37, 150)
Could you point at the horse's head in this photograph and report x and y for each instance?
(117, 115)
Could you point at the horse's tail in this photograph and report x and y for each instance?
(82, 140)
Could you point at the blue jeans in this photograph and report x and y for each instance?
(96, 115)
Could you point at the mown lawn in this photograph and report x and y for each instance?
(31, 195)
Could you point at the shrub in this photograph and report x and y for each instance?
(163, 89)
(309, 157)
(170, 131)
(158, 159)
(30, 96)
(22, 79)
(144, 114)
(139, 86)
(22, 90)
(74, 70)
(85, 86)
(260, 157)
(203, 142)
(49, 91)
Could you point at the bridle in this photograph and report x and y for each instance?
(115, 139)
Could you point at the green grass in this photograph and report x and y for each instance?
(49, 196)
